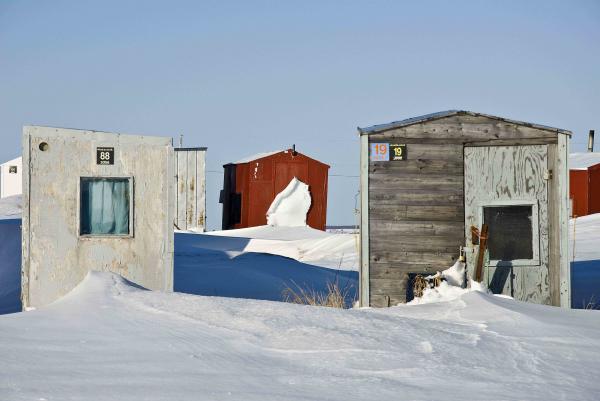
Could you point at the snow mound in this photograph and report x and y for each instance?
(584, 234)
(305, 244)
(112, 341)
(290, 206)
(11, 207)
(451, 288)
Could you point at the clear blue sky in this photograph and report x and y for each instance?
(252, 76)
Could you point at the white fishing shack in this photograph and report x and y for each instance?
(95, 201)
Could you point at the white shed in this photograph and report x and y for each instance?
(95, 201)
(11, 177)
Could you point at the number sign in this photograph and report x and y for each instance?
(397, 152)
(380, 152)
(383, 152)
(105, 155)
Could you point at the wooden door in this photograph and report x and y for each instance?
(506, 187)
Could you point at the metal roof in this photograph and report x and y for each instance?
(448, 113)
(581, 161)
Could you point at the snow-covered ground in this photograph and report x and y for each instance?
(262, 262)
(305, 244)
(108, 340)
(584, 248)
(11, 207)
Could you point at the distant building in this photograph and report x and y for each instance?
(251, 184)
(190, 196)
(584, 187)
(11, 178)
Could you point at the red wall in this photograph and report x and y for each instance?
(578, 192)
(594, 189)
(260, 180)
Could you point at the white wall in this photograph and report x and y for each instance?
(11, 183)
(56, 257)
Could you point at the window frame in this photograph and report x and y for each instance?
(131, 207)
(535, 231)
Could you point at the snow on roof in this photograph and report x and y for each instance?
(256, 156)
(581, 161)
(449, 113)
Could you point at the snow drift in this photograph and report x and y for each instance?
(290, 206)
(108, 340)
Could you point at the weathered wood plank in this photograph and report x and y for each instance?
(414, 243)
(398, 259)
(465, 128)
(414, 197)
(453, 212)
(410, 228)
(421, 166)
(381, 182)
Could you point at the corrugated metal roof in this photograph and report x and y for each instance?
(581, 161)
(449, 113)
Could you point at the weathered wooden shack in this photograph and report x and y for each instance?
(426, 180)
(95, 201)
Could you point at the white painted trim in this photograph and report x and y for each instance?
(562, 176)
(364, 299)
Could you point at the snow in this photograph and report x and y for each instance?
(584, 237)
(581, 161)
(451, 288)
(304, 244)
(257, 156)
(290, 206)
(11, 207)
(108, 340)
(253, 263)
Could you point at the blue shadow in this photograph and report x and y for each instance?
(585, 283)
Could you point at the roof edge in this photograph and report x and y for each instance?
(449, 113)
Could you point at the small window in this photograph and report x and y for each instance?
(510, 232)
(12, 170)
(105, 206)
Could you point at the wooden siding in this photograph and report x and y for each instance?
(415, 217)
(416, 214)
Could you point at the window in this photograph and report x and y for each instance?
(510, 232)
(105, 207)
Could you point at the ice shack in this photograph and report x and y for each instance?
(190, 196)
(584, 175)
(95, 201)
(251, 184)
(426, 181)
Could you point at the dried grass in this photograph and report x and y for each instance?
(335, 297)
(591, 304)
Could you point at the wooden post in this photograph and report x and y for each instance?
(483, 236)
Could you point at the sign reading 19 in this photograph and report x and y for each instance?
(380, 152)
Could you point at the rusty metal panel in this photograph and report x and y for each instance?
(191, 188)
(594, 189)
(578, 192)
(55, 257)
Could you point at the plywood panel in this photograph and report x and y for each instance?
(511, 174)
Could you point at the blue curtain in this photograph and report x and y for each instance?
(105, 206)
